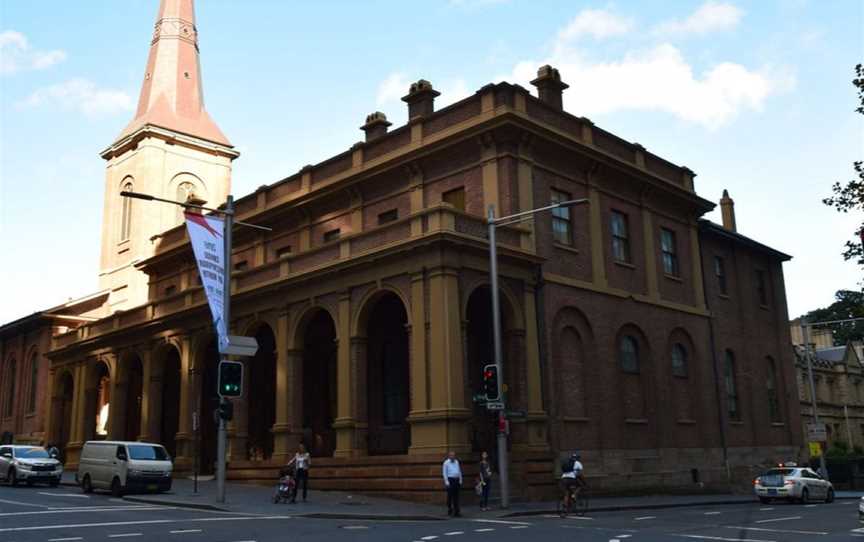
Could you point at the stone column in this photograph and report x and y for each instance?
(650, 254)
(536, 417)
(189, 404)
(525, 181)
(151, 398)
(598, 256)
(78, 417)
(419, 373)
(118, 401)
(238, 428)
(345, 382)
(287, 361)
(696, 260)
(491, 192)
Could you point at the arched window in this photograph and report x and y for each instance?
(628, 354)
(34, 382)
(679, 360)
(10, 389)
(126, 216)
(731, 387)
(771, 390)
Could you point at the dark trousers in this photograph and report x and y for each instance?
(301, 477)
(484, 497)
(453, 487)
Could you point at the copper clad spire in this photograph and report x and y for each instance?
(172, 96)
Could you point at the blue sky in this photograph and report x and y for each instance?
(753, 96)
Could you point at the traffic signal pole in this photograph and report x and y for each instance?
(226, 317)
(503, 459)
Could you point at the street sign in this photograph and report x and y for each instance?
(240, 346)
(815, 449)
(495, 405)
(816, 432)
(516, 414)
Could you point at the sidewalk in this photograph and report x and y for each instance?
(257, 499)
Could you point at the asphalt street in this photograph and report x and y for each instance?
(64, 514)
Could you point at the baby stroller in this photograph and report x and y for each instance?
(286, 487)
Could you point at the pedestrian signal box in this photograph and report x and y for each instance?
(490, 383)
(230, 379)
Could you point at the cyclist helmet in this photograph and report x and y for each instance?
(575, 455)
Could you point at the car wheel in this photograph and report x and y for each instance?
(764, 500)
(86, 485)
(116, 488)
(830, 497)
(29, 483)
(55, 483)
(13, 478)
(805, 496)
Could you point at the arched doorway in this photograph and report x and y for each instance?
(134, 391)
(207, 364)
(319, 384)
(63, 412)
(98, 397)
(481, 352)
(388, 386)
(261, 395)
(169, 422)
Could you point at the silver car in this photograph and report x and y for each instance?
(29, 464)
(793, 483)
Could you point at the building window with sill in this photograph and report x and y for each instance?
(620, 237)
(761, 287)
(332, 235)
(388, 216)
(628, 354)
(670, 252)
(720, 273)
(679, 360)
(283, 251)
(242, 265)
(730, 380)
(126, 213)
(455, 197)
(562, 229)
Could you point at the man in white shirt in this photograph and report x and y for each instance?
(571, 474)
(452, 472)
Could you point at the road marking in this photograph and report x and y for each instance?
(75, 495)
(503, 522)
(810, 505)
(454, 533)
(777, 519)
(703, 537)
(124, 535)
(140, 522)
(623, 536)
(430, 537)
(65, 539)
(519, 527)
(486, 530)
(19, 503)
(584, 518)
(83, 509)
(712, 513)
(645, 517)
(185, 531)
(790, 531)
(354, 527)
(765, 509)
(860, 530)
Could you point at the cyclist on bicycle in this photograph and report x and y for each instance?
(571, 477)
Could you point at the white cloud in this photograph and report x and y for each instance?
(659, 79)
(709, 17)
(80, 95)
(596, 23)
(16, 54)
(392, 88)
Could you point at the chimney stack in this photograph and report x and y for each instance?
(727, 208)
(376, 125)
(420, 99)
(550, 88)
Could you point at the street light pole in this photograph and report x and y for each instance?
(493, 223)
(226, 317)
(805, 331)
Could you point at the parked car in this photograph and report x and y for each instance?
(861, 510)
(793, 483)
(30, 464)
(124, 467)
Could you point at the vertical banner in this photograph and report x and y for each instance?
(208, 245)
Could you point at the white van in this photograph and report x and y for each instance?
(123, 467)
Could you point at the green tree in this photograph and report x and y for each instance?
(848, 304)
(850, 197)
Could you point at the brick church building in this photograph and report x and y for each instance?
(650, 339)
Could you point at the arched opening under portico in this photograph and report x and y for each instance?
(319, 384)
(98, 399)
(261, 395)
(62, 411)
(169, 420)
(388, 385)
(134, 391)
(206, 365)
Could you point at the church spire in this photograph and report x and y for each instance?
(171, 95)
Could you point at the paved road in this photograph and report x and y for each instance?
(65, 515)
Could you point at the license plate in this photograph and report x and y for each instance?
(772, 491)
(152, 487)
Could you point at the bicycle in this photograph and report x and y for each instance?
(578, 501)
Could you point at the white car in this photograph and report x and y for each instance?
(861, 510)
(29, 464)
(793, 483)
(123, 467)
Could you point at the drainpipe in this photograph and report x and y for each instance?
(714, 366)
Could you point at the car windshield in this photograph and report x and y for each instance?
(143, 451)
(783, 472)
(31, 453)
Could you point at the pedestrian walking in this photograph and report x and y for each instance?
(485, 481)
(302, 461)
(452, 472)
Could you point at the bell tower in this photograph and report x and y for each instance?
(171, 149)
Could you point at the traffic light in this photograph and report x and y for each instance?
(490, 382)
(230, 379)
(226, 409)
